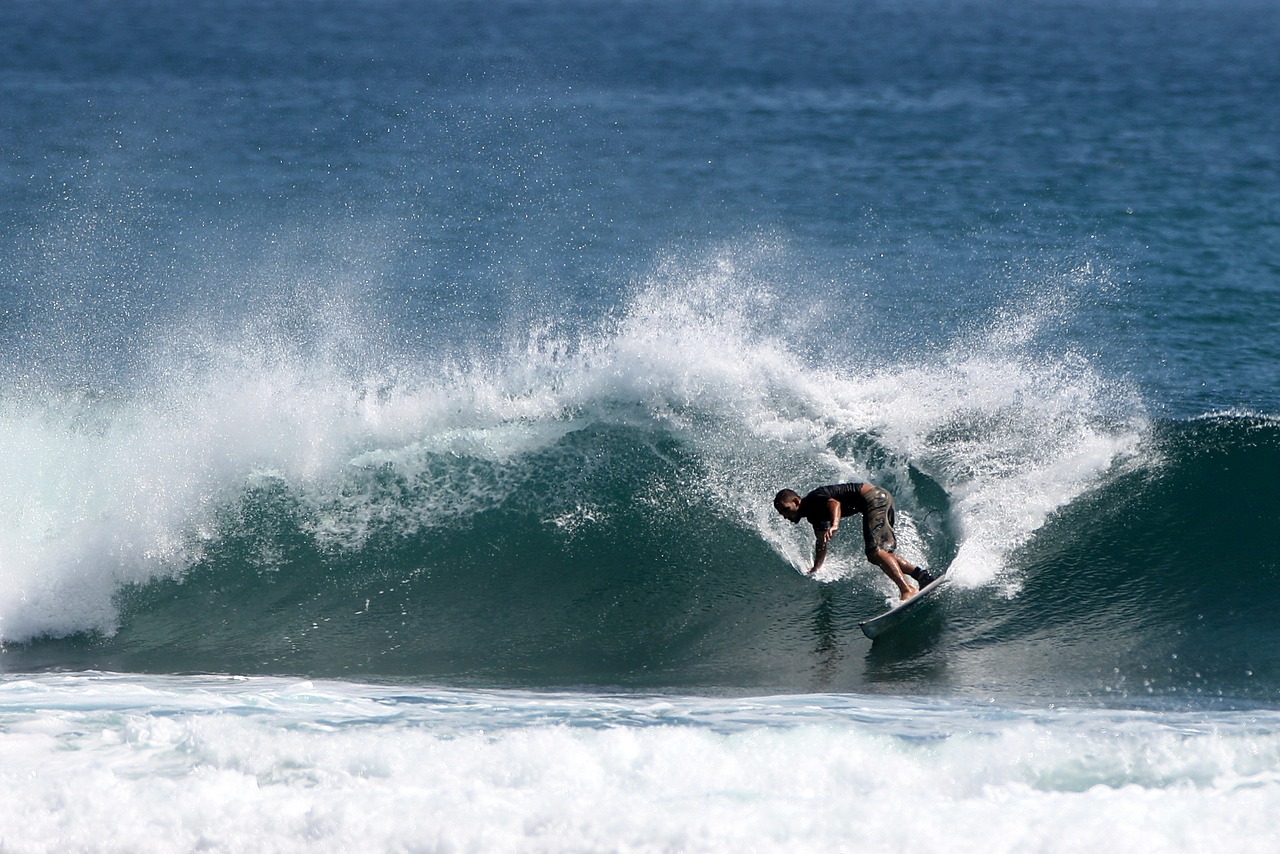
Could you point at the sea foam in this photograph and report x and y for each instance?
(97, 762)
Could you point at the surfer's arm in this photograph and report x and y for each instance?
(819, 551)
(833, 508)
(822, 536)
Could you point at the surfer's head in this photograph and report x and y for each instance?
(787, 502)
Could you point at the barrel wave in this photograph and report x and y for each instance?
(589, 504)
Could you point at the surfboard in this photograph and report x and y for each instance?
(877, 626)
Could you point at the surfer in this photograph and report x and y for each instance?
(825, 506)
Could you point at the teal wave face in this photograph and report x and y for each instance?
(579, 568)
(586, 560)
(580, 573)
(1161, 582)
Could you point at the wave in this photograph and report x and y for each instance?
(1161, 581)
(584, 499)
(1118, 597)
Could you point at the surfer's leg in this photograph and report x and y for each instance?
(922, 576)
(889, 564)
(877, 533)
(910, 570)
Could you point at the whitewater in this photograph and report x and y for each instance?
(222, 764)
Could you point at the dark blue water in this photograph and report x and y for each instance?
(468, 341)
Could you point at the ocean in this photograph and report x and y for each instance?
(393, 394)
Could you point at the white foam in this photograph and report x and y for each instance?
(1011, 430)
(105, 763)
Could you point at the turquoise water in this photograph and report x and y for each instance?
(460, 348)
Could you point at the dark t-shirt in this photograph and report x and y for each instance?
(814, 505)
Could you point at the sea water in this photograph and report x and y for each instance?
(394, 394)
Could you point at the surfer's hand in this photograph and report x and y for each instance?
(811, 570)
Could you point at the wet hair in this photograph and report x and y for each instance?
(784, 495)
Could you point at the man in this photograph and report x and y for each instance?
(827, 505)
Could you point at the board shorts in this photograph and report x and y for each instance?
(877, 523)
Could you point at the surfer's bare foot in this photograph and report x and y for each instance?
(908, 593)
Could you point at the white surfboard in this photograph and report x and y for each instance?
(877, 626)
